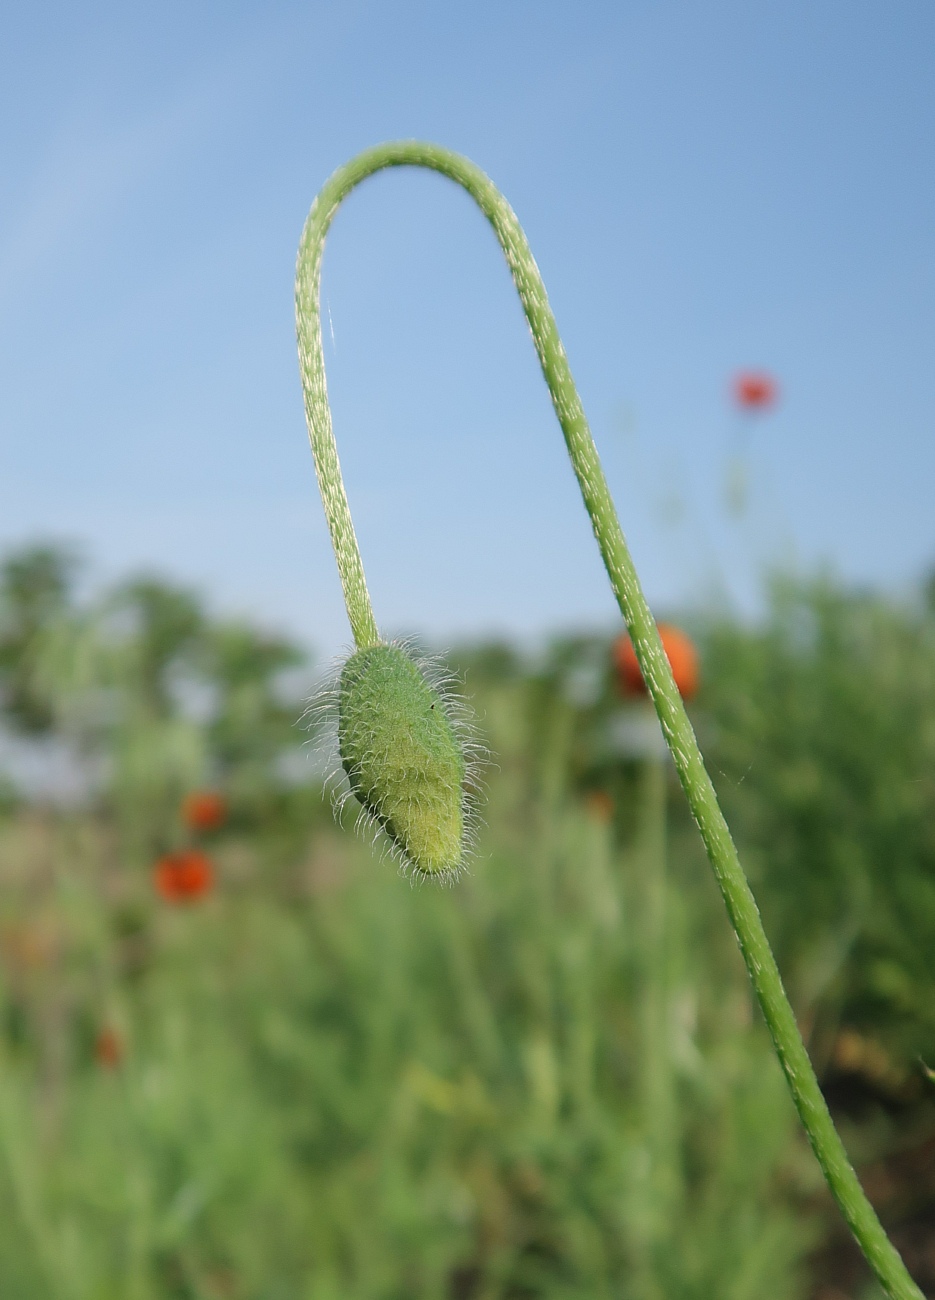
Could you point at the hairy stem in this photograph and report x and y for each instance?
(741, 905)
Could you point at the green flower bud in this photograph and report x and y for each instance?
(403, 757)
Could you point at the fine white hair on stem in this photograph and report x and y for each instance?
(321, 716)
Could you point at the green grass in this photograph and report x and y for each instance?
(547, 1080)
(339, 1084)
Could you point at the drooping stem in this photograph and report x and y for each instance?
(741, 905)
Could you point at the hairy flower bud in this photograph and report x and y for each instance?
(403, 756)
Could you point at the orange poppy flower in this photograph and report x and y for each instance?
(755, 390)
(184, 877)
(680, 652)
(204, 810)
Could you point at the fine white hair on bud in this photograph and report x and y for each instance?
(408, 754)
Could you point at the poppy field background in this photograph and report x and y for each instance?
(308, 1078)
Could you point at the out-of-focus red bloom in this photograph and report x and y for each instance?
(184, 877)
(680, 652)
(108, 1048)
(204, 810)
(754, 390)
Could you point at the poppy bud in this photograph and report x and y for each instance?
(403, 756)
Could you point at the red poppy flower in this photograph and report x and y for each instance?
(108, 1048)
(204, 810)
(754, 390)
(680, 652)
(184, 877)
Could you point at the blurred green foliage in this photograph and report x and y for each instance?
(822, 738)
(34, 595)
(545, 1081)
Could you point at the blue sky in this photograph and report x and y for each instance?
(705, 187)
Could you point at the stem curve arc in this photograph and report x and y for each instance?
(722, 854)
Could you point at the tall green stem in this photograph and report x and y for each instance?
(741, 905)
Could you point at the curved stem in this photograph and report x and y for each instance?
(741, 905)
